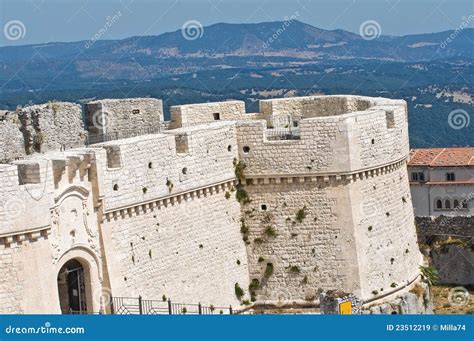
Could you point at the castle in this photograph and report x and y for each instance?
(217, 206)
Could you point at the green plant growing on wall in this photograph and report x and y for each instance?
(169, 184)
(163, 298)
(244, 230)
(294, 269)
(261, 259)
(254, 284)
(270, 231)
(239, 168)
(393, 285)
(239, 292)
(227, 195)
(430, 274)
(268, 270)
(184, 310)
(301, 214)
(375, 292)
(242, 196)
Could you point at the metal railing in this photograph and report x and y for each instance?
(123, 134)
(139, 306)
(283, 134)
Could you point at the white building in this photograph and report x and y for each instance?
(442, 181)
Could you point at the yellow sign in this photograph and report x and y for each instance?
(345, 308)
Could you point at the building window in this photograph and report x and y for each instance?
(456, 204)
(418, 176)
(217, 116)
(246, 149)
(439, 204)
(450, 176)
(447, 204)
(464, 204)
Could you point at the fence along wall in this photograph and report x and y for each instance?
(181, 237)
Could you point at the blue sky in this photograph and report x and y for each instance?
(73, 20)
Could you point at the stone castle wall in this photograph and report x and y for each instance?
(158, 214)
(449, 243)
(192, 114)
(170, 230)
(119, 116)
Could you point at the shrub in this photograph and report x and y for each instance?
(242, 196)
(239, 170)
(239, 292)
(270, 231)
(254, 285)
(301, 214)
(261, 259)
(294, 269)
(227, 195)
(430, 273)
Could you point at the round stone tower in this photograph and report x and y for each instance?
(327, 199)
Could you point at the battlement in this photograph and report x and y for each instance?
(343, 142)
(192, 114)
(315, 186)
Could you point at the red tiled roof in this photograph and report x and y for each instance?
(442, 157)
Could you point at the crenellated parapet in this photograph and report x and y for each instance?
(313, 141)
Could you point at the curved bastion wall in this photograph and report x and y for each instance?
(330, 206)
(309, 194)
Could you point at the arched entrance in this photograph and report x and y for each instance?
(72, 288)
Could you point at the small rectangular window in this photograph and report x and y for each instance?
(217, 116)
(421, 176)
(414, 176)
(450, 176)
